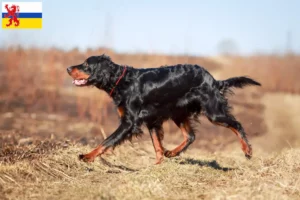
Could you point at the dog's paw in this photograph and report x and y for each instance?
(248, 156)
(86, 158)
(169, 154)
(248, 152)
(159, 160)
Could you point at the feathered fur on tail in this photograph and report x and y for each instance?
(237, 82)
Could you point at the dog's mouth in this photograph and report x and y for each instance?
(80, 78)
(80, 82)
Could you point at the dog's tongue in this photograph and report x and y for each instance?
(79, 82)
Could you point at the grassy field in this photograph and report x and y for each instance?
(130, 174)
(45, 123)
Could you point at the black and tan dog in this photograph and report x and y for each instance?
(151, 96)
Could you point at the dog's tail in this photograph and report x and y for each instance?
(237, 82)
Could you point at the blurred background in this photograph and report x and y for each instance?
(260, 39)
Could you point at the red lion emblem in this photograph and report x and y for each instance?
(13, 11)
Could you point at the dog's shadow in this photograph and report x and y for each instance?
(118, 168)
(212, 164)
(187, 161)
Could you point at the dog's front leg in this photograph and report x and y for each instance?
(157, 136)
(113, 140)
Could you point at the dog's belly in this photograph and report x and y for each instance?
(162, 112)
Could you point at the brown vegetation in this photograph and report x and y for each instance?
(276, 73)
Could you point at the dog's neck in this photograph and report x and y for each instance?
(117, 73)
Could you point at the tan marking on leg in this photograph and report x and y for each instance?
(185, 128)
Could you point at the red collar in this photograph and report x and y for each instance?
(112, 90)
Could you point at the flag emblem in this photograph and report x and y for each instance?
(21, 15)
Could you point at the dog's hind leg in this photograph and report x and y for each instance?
(237, 128)
(188, 134)
(217, 113)
(157, 136)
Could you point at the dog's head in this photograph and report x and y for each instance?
(94, 70)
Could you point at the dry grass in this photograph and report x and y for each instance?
(130, 174)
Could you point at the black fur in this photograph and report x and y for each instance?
(153, 95)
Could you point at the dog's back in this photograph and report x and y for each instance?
(171, 85)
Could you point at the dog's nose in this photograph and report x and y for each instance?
(69, 70)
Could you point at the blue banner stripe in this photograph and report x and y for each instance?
(26, 15)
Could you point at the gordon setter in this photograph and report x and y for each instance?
(151, 96)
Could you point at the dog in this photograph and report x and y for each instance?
(151, 96)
